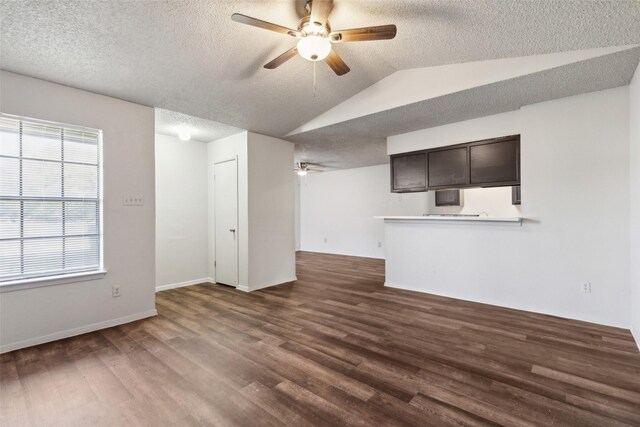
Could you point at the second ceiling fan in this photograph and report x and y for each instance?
(315, 38)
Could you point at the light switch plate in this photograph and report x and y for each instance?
(133, 200)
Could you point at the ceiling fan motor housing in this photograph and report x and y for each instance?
(308, 28)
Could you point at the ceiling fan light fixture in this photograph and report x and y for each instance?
(302, 172)
(314, 48)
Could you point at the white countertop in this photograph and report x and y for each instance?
(451, 218)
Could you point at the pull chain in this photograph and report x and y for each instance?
(314, 79)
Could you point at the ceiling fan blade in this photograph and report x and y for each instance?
(244, 19)
(381, 32)
(336, 63)
(281, 59)
(320, 11)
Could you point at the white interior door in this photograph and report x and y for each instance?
(226, 221)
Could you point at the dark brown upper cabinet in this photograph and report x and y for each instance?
(494, 163)
(447, 167)
(488, 163)
(409, 173)
(516, 195)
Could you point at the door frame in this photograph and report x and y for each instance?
(237, 220)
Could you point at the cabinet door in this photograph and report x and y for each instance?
(409, 173)
(516, 195)
(448, 168)
(495, 163)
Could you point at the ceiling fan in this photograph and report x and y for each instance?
(302, 168)
(315, 37)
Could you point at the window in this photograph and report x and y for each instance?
(50, 199)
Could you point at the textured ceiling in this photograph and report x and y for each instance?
(418, 84)
(172, 123)
(362, 141)
(189, 57)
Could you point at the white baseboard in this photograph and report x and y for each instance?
(636, 336)
(266, 285)
(320, 251)
(182, 284)
(77, 331)
(511, 306)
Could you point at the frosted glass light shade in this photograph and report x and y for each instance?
(314, 48)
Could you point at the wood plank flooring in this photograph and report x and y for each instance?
(334, 348)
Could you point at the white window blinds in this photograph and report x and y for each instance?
(50, 204)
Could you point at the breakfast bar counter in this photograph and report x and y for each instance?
(469, 257)
(452, 217)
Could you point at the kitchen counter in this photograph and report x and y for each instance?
(449, 218)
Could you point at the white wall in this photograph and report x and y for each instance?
(575, 192)
(634, 138)
(43, 314)
(339, 206)
(272, 252)
(181, 212)
(266, 217)
(297, 213)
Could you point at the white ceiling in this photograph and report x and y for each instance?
(172, 123)
(355, 141)
(418, 84)
(189, 57)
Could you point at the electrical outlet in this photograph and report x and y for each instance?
(134, 200)
(325, 240)
(379, 244)
(115, 291)
(585, 287)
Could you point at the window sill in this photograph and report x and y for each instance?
(39, 282)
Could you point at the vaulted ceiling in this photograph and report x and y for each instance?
(189, 57)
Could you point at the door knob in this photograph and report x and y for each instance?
(233, 230)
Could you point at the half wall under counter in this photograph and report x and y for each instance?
(474, 258)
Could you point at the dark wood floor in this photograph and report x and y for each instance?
(334, 348)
